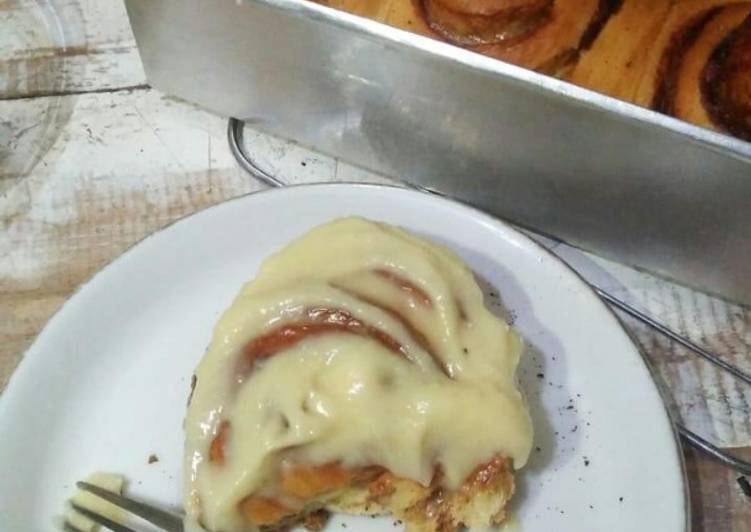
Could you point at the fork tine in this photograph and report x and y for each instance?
(101, 520)
(155, 516)
(68, 527)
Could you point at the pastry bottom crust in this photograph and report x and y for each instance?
(480, 502)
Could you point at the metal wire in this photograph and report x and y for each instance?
(710, 357)
(235, 136)
(689, 436)
(235, 130)
(697, 442)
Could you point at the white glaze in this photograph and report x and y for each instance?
(326, 397)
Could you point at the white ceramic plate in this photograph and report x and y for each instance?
(105, 384)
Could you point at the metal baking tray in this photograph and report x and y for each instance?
(608, 176)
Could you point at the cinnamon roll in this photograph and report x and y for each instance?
(554, 47)
(616, 60)
(485, 22)
(359, 372)
(700, 68)
(685, 58)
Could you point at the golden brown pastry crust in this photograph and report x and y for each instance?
(616, 60)
(726, 83)
(685, 58)
(486, 22)
(555, 46)
(480, 502)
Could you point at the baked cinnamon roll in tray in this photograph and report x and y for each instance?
(358, 372)
(686, 58)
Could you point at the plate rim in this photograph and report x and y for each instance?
(497, 223)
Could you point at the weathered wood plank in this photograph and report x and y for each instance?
(709, 401)
(115, 168)
(65, 47)
(717, 502)
(84, 177)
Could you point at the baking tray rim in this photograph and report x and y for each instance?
(507, 72)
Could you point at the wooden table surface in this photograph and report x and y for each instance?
(92, 160)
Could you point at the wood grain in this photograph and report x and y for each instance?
(706, 399)
(717, 501)
(65, 47)
(107, 170)
(114, 170)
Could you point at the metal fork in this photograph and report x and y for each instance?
(166, 521)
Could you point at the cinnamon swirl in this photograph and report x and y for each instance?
(359, 372)
(686, 58)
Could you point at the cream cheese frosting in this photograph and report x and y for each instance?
(358, 343)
